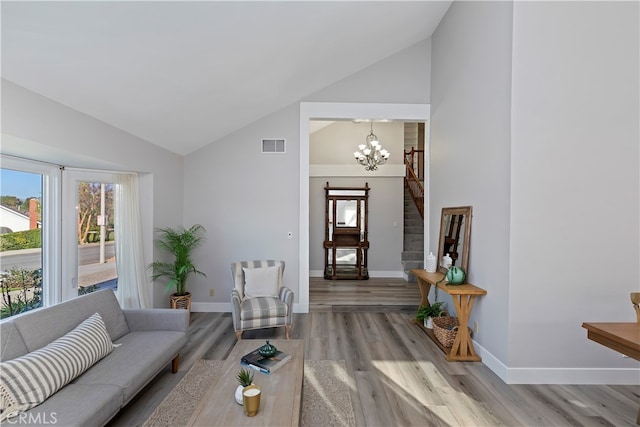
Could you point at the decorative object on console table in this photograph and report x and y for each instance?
(426, 313)
(265, 364)
(455, 276)
(635, 301)
(446, 261)
(455, 232)
(179, 242)
(446, 329)
(431, 263)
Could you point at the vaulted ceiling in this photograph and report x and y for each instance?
(183, 74)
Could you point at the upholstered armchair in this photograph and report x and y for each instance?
(259, 299)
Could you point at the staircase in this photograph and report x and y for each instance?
(413, 247)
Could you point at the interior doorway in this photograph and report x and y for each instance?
(341, 111)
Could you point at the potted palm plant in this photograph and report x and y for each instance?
(180, 242)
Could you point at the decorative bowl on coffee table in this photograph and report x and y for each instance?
(267, 350)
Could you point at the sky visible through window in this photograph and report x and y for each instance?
(20, 184)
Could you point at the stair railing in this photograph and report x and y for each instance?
(414, 162)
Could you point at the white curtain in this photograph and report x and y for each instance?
(133, 284)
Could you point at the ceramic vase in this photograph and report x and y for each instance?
(238, 394)
(428, 322)
(431, 263)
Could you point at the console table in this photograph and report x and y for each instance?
(464, 297)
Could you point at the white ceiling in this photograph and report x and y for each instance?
(184, 74)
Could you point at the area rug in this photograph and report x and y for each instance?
(326, 400)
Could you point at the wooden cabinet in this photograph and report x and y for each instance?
(346, 240)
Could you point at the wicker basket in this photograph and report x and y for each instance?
(181, 301)
(445, 329)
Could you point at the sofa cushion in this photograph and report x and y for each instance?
(141, 356)
(41, 326)
(11, 345)
(29, 380)
(74, 406)
(261, 282)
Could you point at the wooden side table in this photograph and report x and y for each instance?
(623, 337)
(464, 297)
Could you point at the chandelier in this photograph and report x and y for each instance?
(371, 154)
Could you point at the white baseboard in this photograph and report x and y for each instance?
(492, 362)
(211, 307)
(300, 308)
(392, 274)
(601, 376)
(225, 307)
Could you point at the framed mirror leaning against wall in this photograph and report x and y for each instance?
(455, 231)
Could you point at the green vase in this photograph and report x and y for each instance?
(455, 276)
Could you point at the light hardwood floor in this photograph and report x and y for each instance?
(399, 377)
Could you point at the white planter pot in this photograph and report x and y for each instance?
(238, 394)
(428, 323)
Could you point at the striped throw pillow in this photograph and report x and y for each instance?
(29, 380)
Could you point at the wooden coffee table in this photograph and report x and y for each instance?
(281, 397)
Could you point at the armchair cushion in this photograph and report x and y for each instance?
(261, 282)
(262, 308)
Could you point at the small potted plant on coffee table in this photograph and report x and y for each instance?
(426, 313)
(245, 379)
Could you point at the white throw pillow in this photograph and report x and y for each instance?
(29, 380)
(261, 282)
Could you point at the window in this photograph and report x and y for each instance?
(29, 206)
(70, 243)
(88, 232)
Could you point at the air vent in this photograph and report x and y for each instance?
(273, 145)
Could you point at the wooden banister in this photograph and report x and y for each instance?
(414, 161)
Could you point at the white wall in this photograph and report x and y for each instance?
(38, 128)
(400, 78)
(248, 202)
(470, 128)
(551, 135)
(575, 185)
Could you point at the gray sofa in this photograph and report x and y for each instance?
(149, 340)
